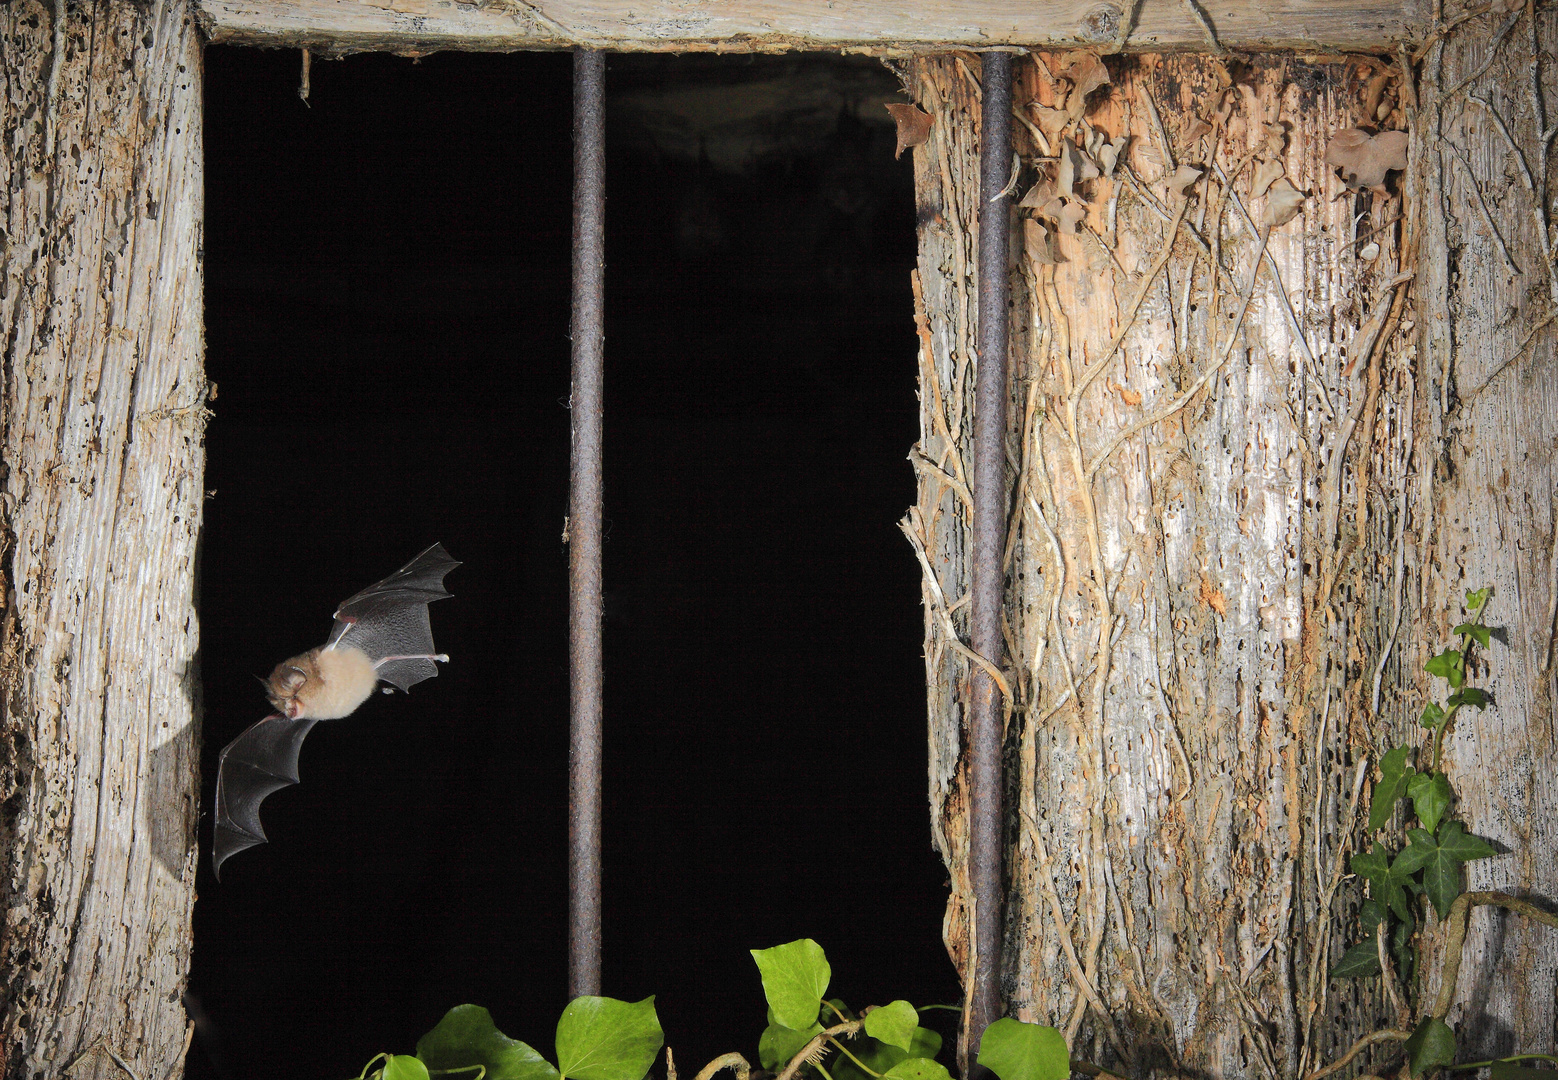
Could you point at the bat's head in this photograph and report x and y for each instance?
(285, 683)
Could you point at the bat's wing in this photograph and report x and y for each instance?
(262, 760)
(389, 618)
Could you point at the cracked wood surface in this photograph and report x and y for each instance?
(1492, 406)
(781, 25)
(101, 419)
(1235, 511)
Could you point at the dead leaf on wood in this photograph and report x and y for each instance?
(1283, 202)
(1198, 130)
(1038, 243)
(1374, 92)
(1087, 73)
(1064, 213)
(1183, 177)
(1364, 159)
(1369, 252)
(1050, 121)
(1109, 154)
(1266, 174)
(1075, 167)
(913, 125)
(1039, 194)
(1276, 140)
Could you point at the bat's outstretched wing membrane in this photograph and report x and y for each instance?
(262, 760)
(389, 618)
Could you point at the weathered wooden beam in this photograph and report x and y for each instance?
(418, 26)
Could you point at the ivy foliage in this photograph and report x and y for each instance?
(600, 1038)
(1428, 865)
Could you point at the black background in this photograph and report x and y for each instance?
(387, 314)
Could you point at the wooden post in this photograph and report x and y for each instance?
(101, 425)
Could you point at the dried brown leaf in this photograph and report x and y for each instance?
(1070, 216)
(1276, 136)
(1374, 91)
(1075, 167)
(1050, 121)
(1364, 159)
(1283, 202)
(1198, 130)
(1109, 154)
(1038, 243)
(1183, 177)
(1087, 73)
(913, 125)
(1039, 194)
(1266, 174)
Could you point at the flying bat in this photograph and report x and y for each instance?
(380, 634)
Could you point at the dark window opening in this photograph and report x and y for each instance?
(387, 298)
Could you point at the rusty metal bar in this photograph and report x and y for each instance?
(584, 524)
(990, 499)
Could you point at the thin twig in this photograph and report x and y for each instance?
(813, 1050)
(1471, 396)
(1047, 882)
(946, 616)
(1195, 387)
(1455, 937)
(1387, 1035)
(1130, 318)
(1476, 189)
(1493, 44)
(732, 1061)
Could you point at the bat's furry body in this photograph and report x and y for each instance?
(323, 683)
(381, 633)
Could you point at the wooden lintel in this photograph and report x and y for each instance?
(879, 26)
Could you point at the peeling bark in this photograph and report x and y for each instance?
(1232, 549)
(101, 420)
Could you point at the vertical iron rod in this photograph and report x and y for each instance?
(584, 524)
(990, 499)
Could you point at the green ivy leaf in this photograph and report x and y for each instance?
(795, 976)
(1441, 860)
(1430, 794)
(1432, 716)
(879, 1057)
(1389, 879)
(1369, 914)
(778, 1044)
(1401, 948)
(894, 1024)
(1469, 695)
(1360, 960)
(1394, 774)
(1449, 665)
(1432, 1045)
(404, 1067)
(918, 1068)
(1475, 600)
(466, 1036)
(600, 1038)
(1482, 634)
(1015, 1050)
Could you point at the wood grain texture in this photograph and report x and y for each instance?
(1198, 589)
(103, 414)
(1493, 410)
(780, 25)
